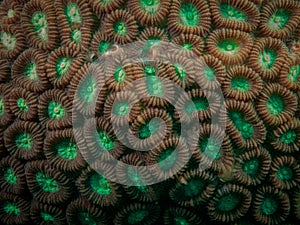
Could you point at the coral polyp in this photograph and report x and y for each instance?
(149, 112)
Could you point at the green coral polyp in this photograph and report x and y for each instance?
(230, 47)
(62, 66)
(267, 58)
(150, 128)
(47, 217)
(76, 36)
(154, 86)
(137, 216)
(73, 13)
(150, 6)
(120, 28)
(197, 104)
(105, 141)
(279, 19)
(55, 110)
(87, 89)
(47, 183)
(167, 159)
(229, 12)
(210, 148)
(10, 13)
(10, 176)
(289, 137)
(180, 71)
(209, 73)
(24, 141)
(121, 108)
(22, 104)
(246, 129)
(149, 71)
(120, 74)
(275, 105)
(228, 202)
(189, 15)
(86, 219)
(187, 46)
(11, 209)
(269, 206)
(251, 167)
(285, 173)
(240, 84)
(40, 26)
(31, 72)
(2, 107)
(152, 41)
(67, 149)
(100, 184)
(103, 47)
(294, 73)
(8, 41)
(193, 188)
(135, 177)
(180, 221)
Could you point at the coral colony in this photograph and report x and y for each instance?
(72, 101)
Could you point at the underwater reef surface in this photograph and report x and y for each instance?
(149, 112)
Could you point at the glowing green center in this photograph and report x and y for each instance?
(135, 176)
(2, 107)
(8, 41)
(279, 19)
(229, 47)
(285, 173)
(47, 217)
(76, 36)
(55, 110)
(121, 108)
(11, 209)
(67, 149)
(180, 71)
(189, 15)
(150, 128)
(294, 73)
(47, 183)
(21, 103)
(86, 219)
(10, 13)
(103, 46)
(30, 71)
(87, 89)
(120, 28)
(240, 84)
(228, 202)
(187, 46)
(180, 221)
(62, 66)
(137, 216)
(154, 86)
(197, 104)
(269, 206)
(40, 26)
(267, 58)
(10, 176)
(245, 128)
(289, 137)
(193, 188)
(251, 167)
(232, 13)
(150, 6)
(73, 13)
(166, 159)
(105, 141)
(120, 74)
(149, 71)
(209, 73)
(152, 41)
(210, 148)
(275, 104)
(100, 184)
(24, 141)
